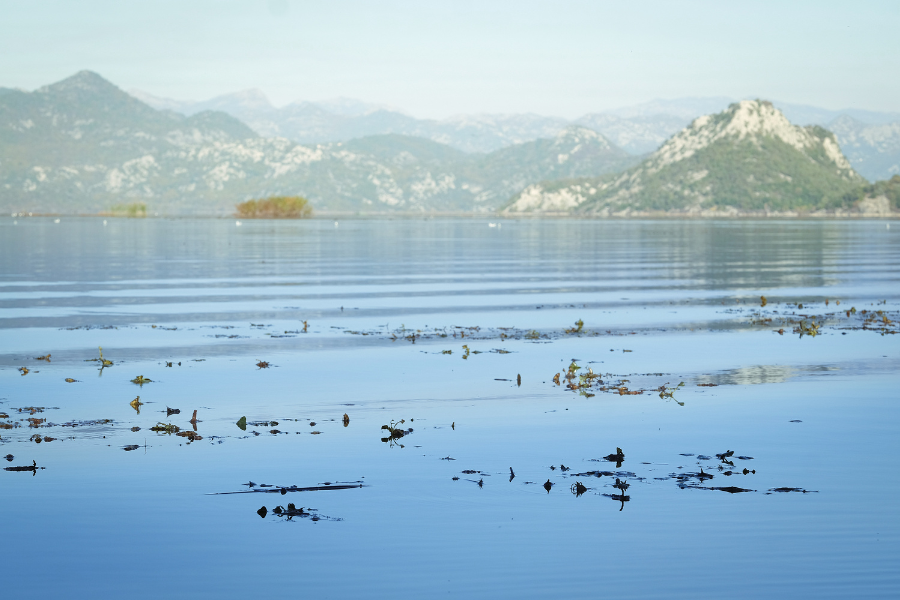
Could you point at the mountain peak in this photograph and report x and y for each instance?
(82, 81)
(746, 120)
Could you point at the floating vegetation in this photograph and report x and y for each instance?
(292, 511)
(669, 393)
(166, 428)
(192, 436)
(44, 357)
(262, 364)
(89, 423)
(579, 325)
(70, 380)
(242, 423)
(395, 432)
(265, 488)
(346, 419)
(577, 488)
(618, 457)
(24, 370)
(136, 404)
(141, 380)
(103, 362)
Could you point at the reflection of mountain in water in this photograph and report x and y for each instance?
(762, 374)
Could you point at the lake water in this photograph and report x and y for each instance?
(433, 322)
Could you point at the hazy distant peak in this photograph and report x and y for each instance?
(80, 81)
(579, 133)
(350, 107)
(249, 99)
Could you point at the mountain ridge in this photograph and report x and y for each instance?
(639, 129)
(83, 145)
(748, 158)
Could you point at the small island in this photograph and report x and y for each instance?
(275, 207)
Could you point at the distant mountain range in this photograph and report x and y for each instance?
(747, 159)
(83, 145)
(638, 129)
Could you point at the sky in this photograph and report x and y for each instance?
(434, 59)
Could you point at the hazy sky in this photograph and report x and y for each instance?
(435, 59)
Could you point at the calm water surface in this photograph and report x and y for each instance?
(388, 307)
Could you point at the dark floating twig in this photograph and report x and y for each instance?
(33, 468)
(785, 490)
(271, 489)
(730, 489)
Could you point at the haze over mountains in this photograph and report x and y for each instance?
(870, 139)
(83, 145)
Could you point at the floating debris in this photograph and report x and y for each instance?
(618, 457)
(262, 364)
(264, 488)
(44, 357)
(729, 489)
(166, 428)
(103, 362)
(346, 419)
(33, 468)
(395, 432)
